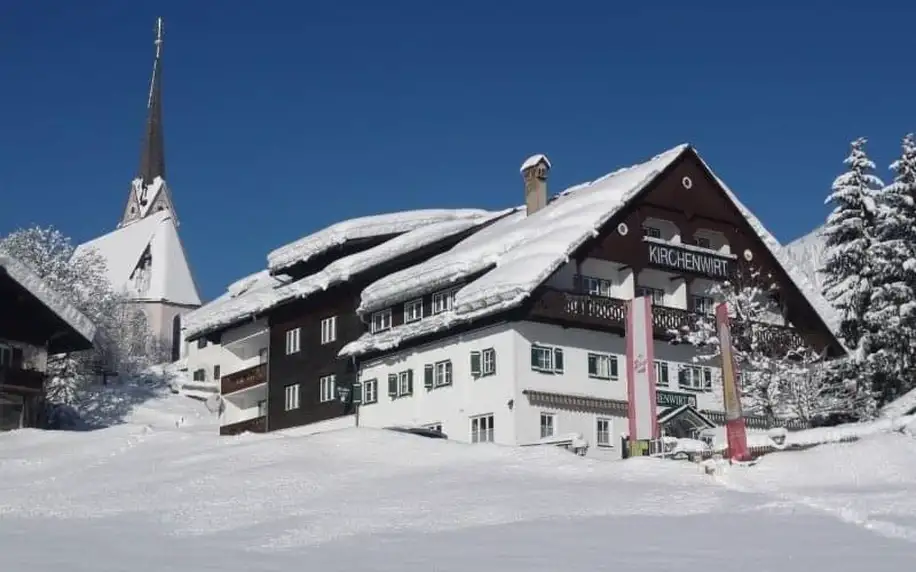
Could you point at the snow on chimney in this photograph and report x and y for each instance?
(534, 172)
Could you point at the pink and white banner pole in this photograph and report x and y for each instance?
(640, 375)
(734, 417)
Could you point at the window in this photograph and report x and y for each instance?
(482, 429)
(546, 359)
(216, 374)
(200, 374)
(702, 304)
(291, 397)
(602, 366)
(435, 427)
(329, 330)
(595, 286)
(548, 425)
(657, 295)
(661, 373)
(651, 231)
(400, 384)
(201, 343)
(483, 363)
(292, 341)
(604, 433)
(413, 311)
(443, 301)
(437, 374)
(702, 242)
(695, 378)
(327, 387)
(381, 321)
(370, 391)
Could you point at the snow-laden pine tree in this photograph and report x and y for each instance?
(890, 318)
(849, 236)
(120, 327)
(772, 366)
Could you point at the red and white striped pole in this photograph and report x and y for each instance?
(735, 429)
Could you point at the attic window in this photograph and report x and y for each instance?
(651, 231)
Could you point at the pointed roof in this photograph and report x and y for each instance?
(152, 157)
(511, 258)
(155, 236)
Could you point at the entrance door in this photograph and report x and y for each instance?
(11, 409)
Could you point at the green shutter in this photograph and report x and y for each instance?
(392, 385)
(613, 367)
(534, 357)
(493, 361)
(428, 376)
(475, 364)
(592, 365)
(357, 393)
(410, 382)
(558, 360)
(707, 378)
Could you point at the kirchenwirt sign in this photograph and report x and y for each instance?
(673, 256)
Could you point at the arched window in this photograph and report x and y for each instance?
(176, 337)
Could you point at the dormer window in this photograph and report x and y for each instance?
(381, 321)
(443, 301)
(702, 242)
(651, 231)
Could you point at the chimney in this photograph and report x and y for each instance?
(534, 172)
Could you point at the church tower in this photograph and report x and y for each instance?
(149, 193)
(145, 258)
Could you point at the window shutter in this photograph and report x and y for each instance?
(534, 358)
(410, 381)
(357, 393)
(558, 360)
(493, 362)
(612, 366)
(682, 375)
(707, 378)
(592, 364)
(475, 364)
(392, 385)
(428, 374)
(16, 358)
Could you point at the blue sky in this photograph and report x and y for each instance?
(282, 117)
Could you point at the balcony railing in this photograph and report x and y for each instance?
(601, 312)
(244, 379)
(22, 378)
(256, 425)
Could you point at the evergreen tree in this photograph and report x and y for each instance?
(849, 235)
(891, 317)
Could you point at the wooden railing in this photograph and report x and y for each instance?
(239, 380)
(22, 378)
(602, 312)
(256, 425)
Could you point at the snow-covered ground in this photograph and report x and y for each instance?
(163, 492)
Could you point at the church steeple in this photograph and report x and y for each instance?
(149, 193)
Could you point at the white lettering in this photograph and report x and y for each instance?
(688, 261)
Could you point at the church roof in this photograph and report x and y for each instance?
(170, 277)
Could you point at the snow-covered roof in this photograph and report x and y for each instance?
(534, 160)
(381, 225)
(27, 278)
(146, 194)
(230, 307)
(226, 312)
(170, 277)
(519, 252)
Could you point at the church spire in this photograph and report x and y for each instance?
(152, 160)
(149, 193)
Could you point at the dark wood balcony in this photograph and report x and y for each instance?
(603, 313)
(256, 425)
(22, 379)
(244, 379)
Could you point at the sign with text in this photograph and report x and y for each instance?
(640, 375)
(674, 399)
(679, 257)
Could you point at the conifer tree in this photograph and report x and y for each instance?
(890, 321)
(849, 235)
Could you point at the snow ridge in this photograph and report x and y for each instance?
(315, 244)
(26, 278)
